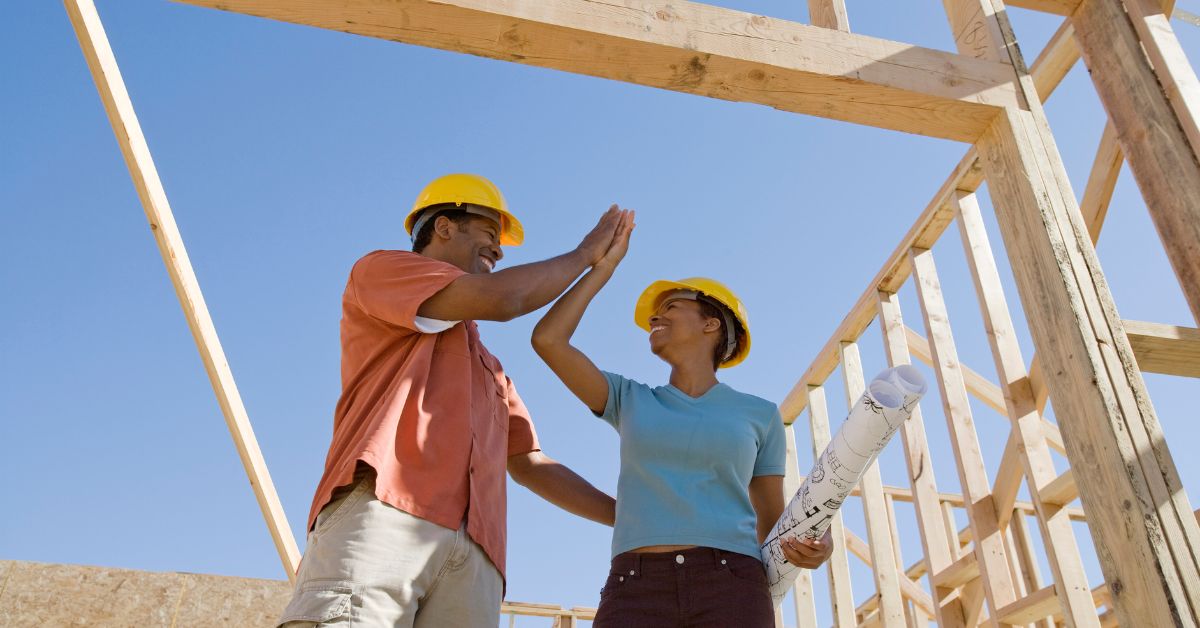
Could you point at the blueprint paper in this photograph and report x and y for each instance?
(888, 401)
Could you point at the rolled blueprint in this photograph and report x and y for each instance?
(888, 401)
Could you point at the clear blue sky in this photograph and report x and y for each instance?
(288, 152)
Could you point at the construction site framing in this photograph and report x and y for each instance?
(1088, 361)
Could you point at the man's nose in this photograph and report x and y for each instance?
(499, 252)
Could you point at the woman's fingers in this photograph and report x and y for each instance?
(806, 554)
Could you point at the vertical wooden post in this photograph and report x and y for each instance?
(842, 597)
(111, 86)
(977, 491)
(1152, 125)
(1145, 542)
(1074, 594)
(829, 14)
(802, 593)
(883, 559)
(936, 537)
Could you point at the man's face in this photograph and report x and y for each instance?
(475, 245)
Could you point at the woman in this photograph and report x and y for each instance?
(702, 464)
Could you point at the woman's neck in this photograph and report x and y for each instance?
(693, 378)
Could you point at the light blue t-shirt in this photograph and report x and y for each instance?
(686, 464)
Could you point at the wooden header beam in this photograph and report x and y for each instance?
(693, 48)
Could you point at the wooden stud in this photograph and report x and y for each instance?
(693, 48)
(103, 66)
(802, 593)
(829, 14)
(882, 555)
(1058, 537)
(840, 593)
(935, 536)
(989, 546)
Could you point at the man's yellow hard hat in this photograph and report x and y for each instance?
(455, 190)
(653, 296)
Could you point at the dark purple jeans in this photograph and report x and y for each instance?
(700, 587)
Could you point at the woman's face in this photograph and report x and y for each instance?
(680, 323)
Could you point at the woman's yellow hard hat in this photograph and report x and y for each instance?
(456, 190)
(714, 290)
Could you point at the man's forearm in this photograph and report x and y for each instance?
(531, 286)
(557, 484)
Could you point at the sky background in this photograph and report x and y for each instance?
(288, 152)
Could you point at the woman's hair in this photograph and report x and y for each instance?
(459, 216)
(709, 309)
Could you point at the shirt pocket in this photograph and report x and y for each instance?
(497, 386)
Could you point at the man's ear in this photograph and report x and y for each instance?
(712, 324)
(444, 228)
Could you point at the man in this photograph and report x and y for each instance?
(407, 527)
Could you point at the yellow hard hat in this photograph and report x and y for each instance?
(652, 297)
(467, 189)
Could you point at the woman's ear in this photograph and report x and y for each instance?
(712, 324)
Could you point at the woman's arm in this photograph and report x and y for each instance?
(766, 496)
(552, 335)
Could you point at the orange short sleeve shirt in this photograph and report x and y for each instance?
(433, 414)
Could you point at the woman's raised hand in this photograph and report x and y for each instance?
(620, 242)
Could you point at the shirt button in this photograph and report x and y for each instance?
(679, 558)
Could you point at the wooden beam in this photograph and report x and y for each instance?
(802, 593)
(103, 66)
(911, 590)
(928, 227)
(1102, 180)
(1061, 490)
(1031, 608)
(935, 536)
(693, 48)
(1116, 446)
(1062, 550)
(1058, 7)
(883, 557)
(1167, 349)
(840, 592)
(829, 14)
(960, 572)
(978, 385)
(1152, 126)
(989, 544)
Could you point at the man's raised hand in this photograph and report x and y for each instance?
(596, 243)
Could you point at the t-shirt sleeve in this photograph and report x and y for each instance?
(522, 437)
(772, 449)
(392, 285)
(618, 391)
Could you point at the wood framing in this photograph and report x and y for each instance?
(1152, 126)
(119, 108)
(693, 48)
(1088, 361)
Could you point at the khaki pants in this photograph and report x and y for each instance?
(369, 564)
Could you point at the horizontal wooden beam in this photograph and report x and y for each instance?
(1037, 605)
(962, 571)
(1167, 349)
(1061, 490)
(693, 48)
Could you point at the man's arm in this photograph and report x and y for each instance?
(555, 483)
(512, 292)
